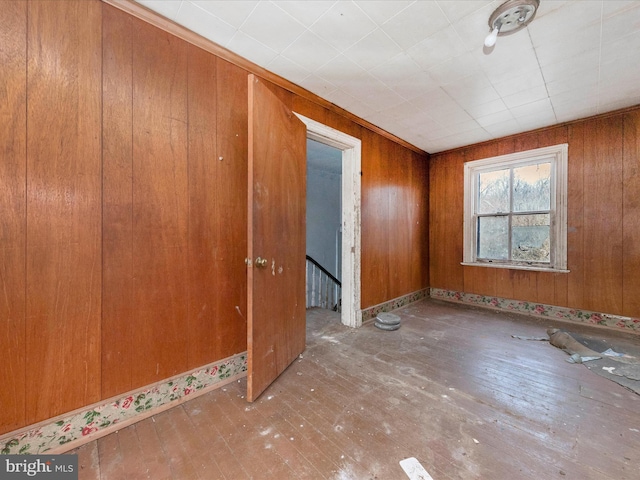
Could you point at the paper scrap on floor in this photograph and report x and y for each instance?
(414, 470)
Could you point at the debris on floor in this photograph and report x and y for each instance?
(414, 469)
(619, 363)
(578, 353)
(524, 337)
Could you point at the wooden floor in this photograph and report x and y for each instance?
(451, 388)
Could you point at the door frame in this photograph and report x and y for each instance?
(351, 147)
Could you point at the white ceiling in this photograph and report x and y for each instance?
(418, 69)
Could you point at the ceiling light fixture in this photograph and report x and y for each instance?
(510, 17)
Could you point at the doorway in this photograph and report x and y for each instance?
(351, 312)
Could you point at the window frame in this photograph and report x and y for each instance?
(557, 155)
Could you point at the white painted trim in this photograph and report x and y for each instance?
(512, 266)
(351, 200)
(559, 156)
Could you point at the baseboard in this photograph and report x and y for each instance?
(618, 322)
(66, 432)
(371, 312)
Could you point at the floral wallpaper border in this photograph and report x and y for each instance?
(86, 423)
(372, 312)
(561, 313)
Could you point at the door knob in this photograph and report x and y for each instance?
(261, 262)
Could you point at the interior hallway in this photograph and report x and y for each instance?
(451, 388)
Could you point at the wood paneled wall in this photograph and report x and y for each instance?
(123, 197)
(123, 207)
(51, 265)
(603, 219)
(395, 243)
(13, 208)
(175, 129)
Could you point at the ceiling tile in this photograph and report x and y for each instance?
(307, 12)
(438, 48)
(203, 23)
(407, 32)
(540, 108)
(272, 27)
(433, 99)
(377, 95)
(474, 27)
(547, 7)
(493, 109)
(455, 11)
(288, 69)
(380, 12)
(342, 71)
(585, 63)
(410, 87)
(471, 90)
(433, 130)
(372, 50)
(348, 102)
(502, 129)
(454, 69)
(510, 58)
(452, 115)
(495, 118)
(573, 82)
(343, 25)
(235, 14)
(474, 136)
(585, 96)
(620, 23)
(412, 64)
(574, 112)
(550, 53)
(166, 8)
(319, 86)
(620, 70)
(526, 97)
(401, 112)
(525, 81)
(299, 50)
(538, 119)
(574, 21)
(615, 104)
(395, 71)
(626, 48)
(251, 49)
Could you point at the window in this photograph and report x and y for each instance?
(515, 210)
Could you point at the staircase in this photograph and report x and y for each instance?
(323, 289)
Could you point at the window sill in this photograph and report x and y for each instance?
(514, 267)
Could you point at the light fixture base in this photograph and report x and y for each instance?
(513, 15)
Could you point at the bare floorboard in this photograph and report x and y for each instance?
(451, 388)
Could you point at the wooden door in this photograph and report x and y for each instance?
(276, 238)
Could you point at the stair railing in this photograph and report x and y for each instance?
(323, 289)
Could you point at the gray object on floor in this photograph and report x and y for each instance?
(388, 318)
(384, 326)
(387, 321)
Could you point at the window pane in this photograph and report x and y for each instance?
(493, 196)
(531, 187)
(493, 238)
(530, 240)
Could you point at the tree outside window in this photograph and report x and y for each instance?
(515, 210)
